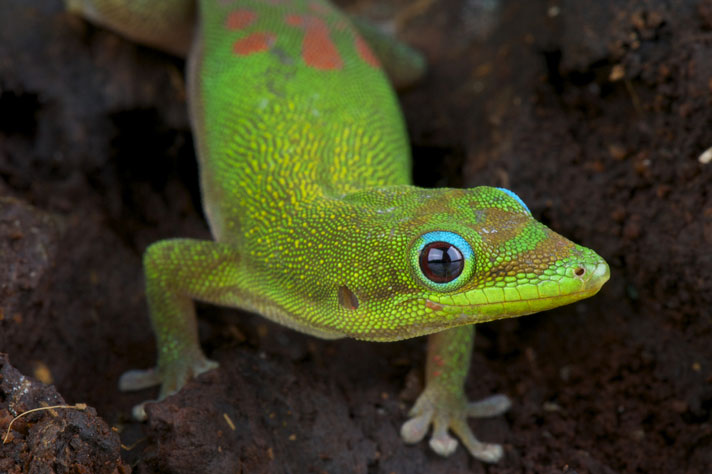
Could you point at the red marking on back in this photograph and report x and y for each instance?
(254, 43)
(318, 49)
(294, 20)
(240, 19)
(364, 50)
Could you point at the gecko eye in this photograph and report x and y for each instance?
(441, 262)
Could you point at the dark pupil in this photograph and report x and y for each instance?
(441, 262)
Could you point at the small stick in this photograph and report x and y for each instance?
(78, 406)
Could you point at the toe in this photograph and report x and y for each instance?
(415, 429)
(490, 406)
(138, 380)
(486, 452)
(204, 366)
(441, 442)
(139, 411)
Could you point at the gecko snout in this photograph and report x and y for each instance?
(594, 274)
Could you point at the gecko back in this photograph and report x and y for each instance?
(289, 104)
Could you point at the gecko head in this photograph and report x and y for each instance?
(443, 258)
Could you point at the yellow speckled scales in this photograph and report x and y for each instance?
(304, 166)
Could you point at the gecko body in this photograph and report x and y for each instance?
(305, 180)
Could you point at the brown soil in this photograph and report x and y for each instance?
(594, 111)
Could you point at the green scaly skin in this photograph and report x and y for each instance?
(304, 168)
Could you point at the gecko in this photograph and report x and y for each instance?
(304, 169)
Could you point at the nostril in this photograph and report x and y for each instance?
(580, 271)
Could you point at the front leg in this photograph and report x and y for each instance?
(443, 402)
(177, 272)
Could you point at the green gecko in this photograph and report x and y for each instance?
(305, 179)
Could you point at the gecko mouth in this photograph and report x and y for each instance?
(492, 303)
(483, 305)
(534, 305)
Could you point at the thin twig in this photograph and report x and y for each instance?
(78, 406)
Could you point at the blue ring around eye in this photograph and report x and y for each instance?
(452, 238)
(449, 237)
(516, 198)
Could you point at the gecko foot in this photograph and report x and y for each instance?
(450, 411)
(171, 379)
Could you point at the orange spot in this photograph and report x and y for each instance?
(240, 19)
(318, 50)
(294, 20)
(255, 43)
(364, 50)
(436, 373)
(432, 305)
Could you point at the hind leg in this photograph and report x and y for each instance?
(166, 24)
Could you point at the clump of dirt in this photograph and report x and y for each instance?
(67, 439)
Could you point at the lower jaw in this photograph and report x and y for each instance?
(449, 317)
